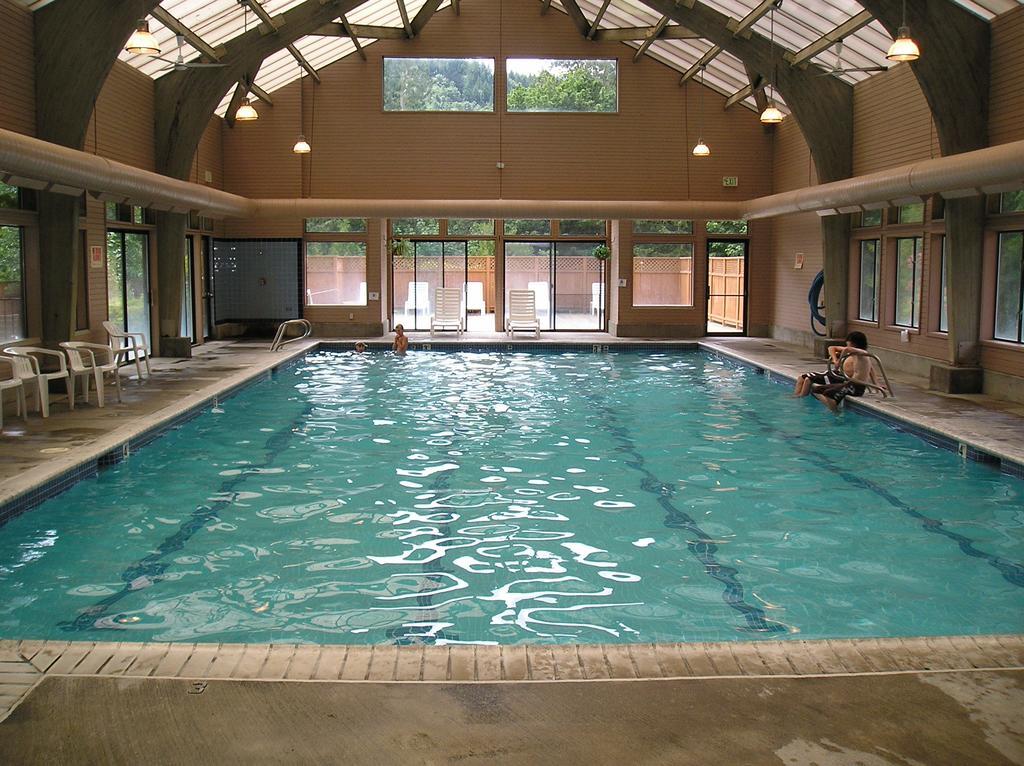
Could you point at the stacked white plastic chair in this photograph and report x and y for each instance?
(522, 312)
(447, 310)
(125, 343)
(13, 382)
(84, 365)
(25, 360)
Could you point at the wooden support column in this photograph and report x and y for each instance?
(170, 268)
(76, 43)
(59, 244)
(965, 237)
(835, 251)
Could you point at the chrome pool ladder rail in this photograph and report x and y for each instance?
(878, 363)
(279, 339)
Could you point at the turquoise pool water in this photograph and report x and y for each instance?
(520, 497)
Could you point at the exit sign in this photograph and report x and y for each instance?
(730, 181)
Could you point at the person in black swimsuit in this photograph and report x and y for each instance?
(855, 378)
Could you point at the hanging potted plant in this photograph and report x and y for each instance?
(400, 248)
(602, 252)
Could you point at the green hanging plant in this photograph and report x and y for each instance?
(400, 248)
(602, 252)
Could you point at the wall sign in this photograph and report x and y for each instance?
(798, 261)
(96, 257)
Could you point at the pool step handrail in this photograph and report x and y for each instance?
(279, 339)
(838, 368)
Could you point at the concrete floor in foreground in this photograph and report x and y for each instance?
(901, 719)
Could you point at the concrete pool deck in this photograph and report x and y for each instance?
(982, 696)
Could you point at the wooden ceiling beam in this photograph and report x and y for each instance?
(297, 55)
(405, 17)
(176, 26)
(655, 33)
(352, 36)
(829, 39)
(597, 19)
(572, 8)
(365, 31)
(739, 28)
(627, 34)
(241, 90)
(261, 94)
(425, 14)
(713, 51)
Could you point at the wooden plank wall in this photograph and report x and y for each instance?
(17, 81)
(1006, 90)
(801, 233)
(358, 150)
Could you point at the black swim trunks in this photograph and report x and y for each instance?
(834, 386)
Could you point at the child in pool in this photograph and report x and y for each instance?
(360, 347)
(401, 344)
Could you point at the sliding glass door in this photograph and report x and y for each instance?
(568, 282)
(188, 305)
(416, 274)
(128, 280)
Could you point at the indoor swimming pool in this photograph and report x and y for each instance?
(520, 497)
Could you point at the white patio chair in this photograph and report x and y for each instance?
(522, 312)
(125, 343)
(83, 364)
(418, 301)
(475, 297)
(447, 310)
(26, 367)
(596, 297)
(543, 293)
(14, 382)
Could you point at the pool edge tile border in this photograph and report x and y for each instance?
(530, 663)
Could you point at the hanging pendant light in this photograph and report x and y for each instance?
(701, 149)
(302, 145)
(142, 41)
(903, 48)
(246, 112)
(772, 115)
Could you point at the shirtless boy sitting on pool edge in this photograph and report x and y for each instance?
(858, 374)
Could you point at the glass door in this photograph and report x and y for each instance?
(428, 265)
(727, 287)
(579, 291)
(188, 308)
(128, 280)
(207, 289)
(528, 267)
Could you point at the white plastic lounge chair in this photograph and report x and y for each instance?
(13, 382)
(418, 301)
(447, 310)
(125, 343)
(475, 297)
(26, 367)
(522, 312)
(543, 293)
(83, 363)
(596, 297)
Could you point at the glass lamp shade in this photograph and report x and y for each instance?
(903, 48)
(302, 146)
(246, 112)
(701, 149)
(771, 115)
(142, 41)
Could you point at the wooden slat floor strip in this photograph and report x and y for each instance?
(23, 663)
